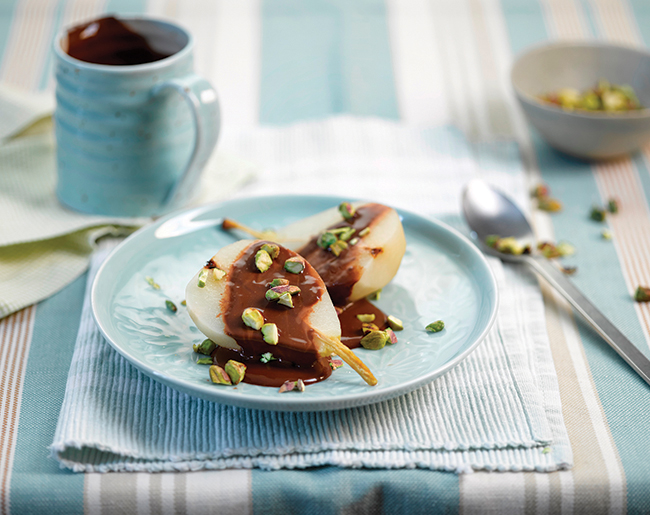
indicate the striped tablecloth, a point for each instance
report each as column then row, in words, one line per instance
column 423, row 62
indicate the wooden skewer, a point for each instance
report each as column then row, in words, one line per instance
column 334, row 346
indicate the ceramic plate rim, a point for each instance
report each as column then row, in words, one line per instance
column 295, row 403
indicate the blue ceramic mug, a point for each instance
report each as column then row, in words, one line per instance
column 134, row 124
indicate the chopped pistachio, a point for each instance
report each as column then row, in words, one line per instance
column 367, row 327
column 509, row 246
column 354, row 241
column 335, row 363
column 642, row 294
column 263, row 260
column 152, row 283
column 218, row 274
column 347, row 210
column 272, row 249
column 436, row 326
column 565, row 249
column 291, row 386
column 171, row 306
column 203, row 276
column 366, row 317
column 205, row 347
column 374, row 295
column 183, row 303
column 364, row 232
column 286, row 300
column 347, row 233
column 338, row 246
column 492, row 240
column 612, row 205
column 546, row 450
column 395, row 323
column 569, row 270
column 326, row 239
column 286, row 288
column 219, row 376
column 549, row 204
column 540, row 191
column 606, row 235
column 236, row 371
column 598, row 214
column 266, row 357
column 392, row 337
column 338, row 310
column 548, row 250
column 204, row 361
column 278, row 282
column 253, row 318
column 374, row 340
column 294, row 265
column 270, row 334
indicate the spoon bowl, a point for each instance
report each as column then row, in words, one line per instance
column 489, row 212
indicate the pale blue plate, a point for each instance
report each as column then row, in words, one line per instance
column 442, row 277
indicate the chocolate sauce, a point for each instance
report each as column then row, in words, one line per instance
column 110, row 41
column 351, row 332
column 297, row 355
column 341, row 273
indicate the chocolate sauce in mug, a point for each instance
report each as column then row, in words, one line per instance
column 109, row 41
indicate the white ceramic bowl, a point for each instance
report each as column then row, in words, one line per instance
column 587, row 135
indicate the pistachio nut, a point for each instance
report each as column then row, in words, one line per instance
column 291, row 386
column 278, row 282
column 366, row 317
column 642, row 294
column 326, row 239
column 266, row 357
column 354, row 241
column 270, row 334
column 347, row 233
column 152, row 283
column 337, row 247
column 205, row 347
column 263, row 260
column 367, row 327
column 183, row 303
column 395, row 323
column 347, row 210
column 171, row 306
column 374, row 340
column 203, row 277
column 335, row 363
column 286, row 300
column 392, row 337
column 364, row 232
column 272, row 249
column 606, row 235
column 219, row 376
column 294, row 265
column 253, row 318
column 204, row 361
column 436, row 326
column 374, row 295
column 612, row 205
column 218, row 274
column 235, row 370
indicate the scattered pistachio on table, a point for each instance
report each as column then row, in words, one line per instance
column 612, row 206
column 597, row 214
column 606, row 234
column 544, row 202
column 642, row 294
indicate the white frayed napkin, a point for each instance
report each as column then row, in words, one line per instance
column 499, row 409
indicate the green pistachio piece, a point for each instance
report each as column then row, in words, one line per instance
column 272, row 249
column 204, row 361
column 294, row 265
column 253, row 318
column 183, row 303
column 205, row 347
column 366, row 317
column 270, row 334
column 354, row 241
column 492, row 239
column 286, row 300
column 642, row 294
column 368, row 327
column 612, row 206
column 171, row 306
column 374, row 295
column 606, row 235
column 326, row 239
column 266, row 357
column 277, row 291
column 218, row 274
column 263, row 260
column 338, row 246
column 219, row 376
column 347, row 233
column 278, row 282
column 374, row 340
column 292, row 386
column 566, row 249
column 152, row 283
column 395, row 323
column 235, row 371
column 597, row 214
column 364, row 232
column 436, row 326
column 203, row 276
column 392, row 337
column 335, row 363
column 509, row 246
column 347, row 210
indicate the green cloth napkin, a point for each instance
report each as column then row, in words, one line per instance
column 43, row 245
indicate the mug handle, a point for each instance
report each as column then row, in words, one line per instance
column 206, row 114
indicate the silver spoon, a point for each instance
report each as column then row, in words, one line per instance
column 489, row 212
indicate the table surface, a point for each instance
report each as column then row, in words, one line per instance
column 425, row 62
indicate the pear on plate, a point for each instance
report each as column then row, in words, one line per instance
column 353, row 264
column 233, row 295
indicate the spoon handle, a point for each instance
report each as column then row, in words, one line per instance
column 617, row 340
